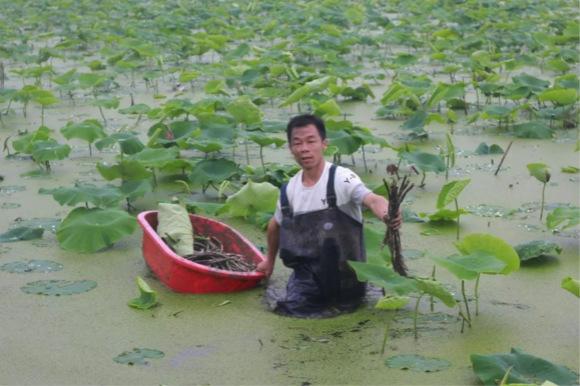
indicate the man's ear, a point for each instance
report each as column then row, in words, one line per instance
column 324, row 143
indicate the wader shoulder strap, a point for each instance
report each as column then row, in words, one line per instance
column 284, row 203
column 330, row 193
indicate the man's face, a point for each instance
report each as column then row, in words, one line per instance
column 307, row 146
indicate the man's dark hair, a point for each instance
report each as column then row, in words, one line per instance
column 305, row 120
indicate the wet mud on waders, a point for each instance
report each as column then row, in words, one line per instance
column 317, row 246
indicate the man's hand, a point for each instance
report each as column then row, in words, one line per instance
column 265, row 266
column 396, row 222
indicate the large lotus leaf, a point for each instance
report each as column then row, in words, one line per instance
column 213, row 170
column 31, row 266
column 571, row 285
column 533, row 83
column 537, row 248
column 245, row 111
column 88, row 130
column 366, row 136
column 155, row 158
column 90, row 230
column 44, row 97
column 215, row 127
column 147, row 296
column 468, row 267
column 425, row 161
column 128, row 142
column 107, row 103
column 536, row 130
column 103, row 196
column 263, row 140
column 137, row 109
column 416, row 122
column 126, row 170
column 207, row 146
column 435, row 288
column 522, row 368
column 25, row 143
column 390, row 302
column 563, row 218
column 560, row 96
column 309, row 88
column 492, row 245
column 328, row 108
column 135, row 188
column 450, row 191
column 416, row 362
column 138, row 356
column 540, row 171
column 344, row 141
column 252, row 198
column 49, row 150
column 90, row 80
column 21, row 234
column 216, row 87
column 58, row 287
column 570, row 169
column 383, row 276
column 496, row 112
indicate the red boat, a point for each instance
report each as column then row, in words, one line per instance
column 182, row 275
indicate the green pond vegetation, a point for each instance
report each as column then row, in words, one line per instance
column 112, row 107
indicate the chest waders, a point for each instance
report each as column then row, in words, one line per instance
column 317, row 246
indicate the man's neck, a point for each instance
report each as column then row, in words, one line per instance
column 311, row 176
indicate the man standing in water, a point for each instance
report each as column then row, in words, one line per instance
column 318, row 227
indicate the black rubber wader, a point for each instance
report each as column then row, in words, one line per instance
column 317, row 246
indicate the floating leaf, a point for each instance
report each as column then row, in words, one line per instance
column 416, row 362
column 102, row 196
column 571, row 285
column 491, row 245
column 59, row 287
column 147, row 296
column 522, row 368
column 138, row 356
column 391, row 302
column 563, row 218
column 570, row 169
column 30, row 266
column 21, row 234
column 537, row 248
column 90, row 230
column 450, row 191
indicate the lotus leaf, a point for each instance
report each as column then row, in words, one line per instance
column 522, row 368
column 90, row 230
column 425, row 161
column 391, row 302
column 483, row 149
column 344, row 141
column 327, row 109
column 58, row 287
column 213, row 170
column 450, row 192
column 104, row 196
column 491, row 245
column 435, row 288
column 540, row 171
column 468, row 267
column 252, row 198
column 125, row 170
column 155, row 158
column 416, row 122
column 49, row 150
column 570, row 169
column 536, row 130
column 309, row 88
column 537, row 248
column 29, row 266
column 138, row 356
column 245, row 111
column 128, row 142
column 383, row 276
column 563, row 218
column 88, row 130
column 21, row 234
column 559, row 96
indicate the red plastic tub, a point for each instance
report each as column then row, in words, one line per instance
column 182, row 275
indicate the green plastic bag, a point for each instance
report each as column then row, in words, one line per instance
column 175, row 228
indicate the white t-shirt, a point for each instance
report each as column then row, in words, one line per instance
column 350, row 192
